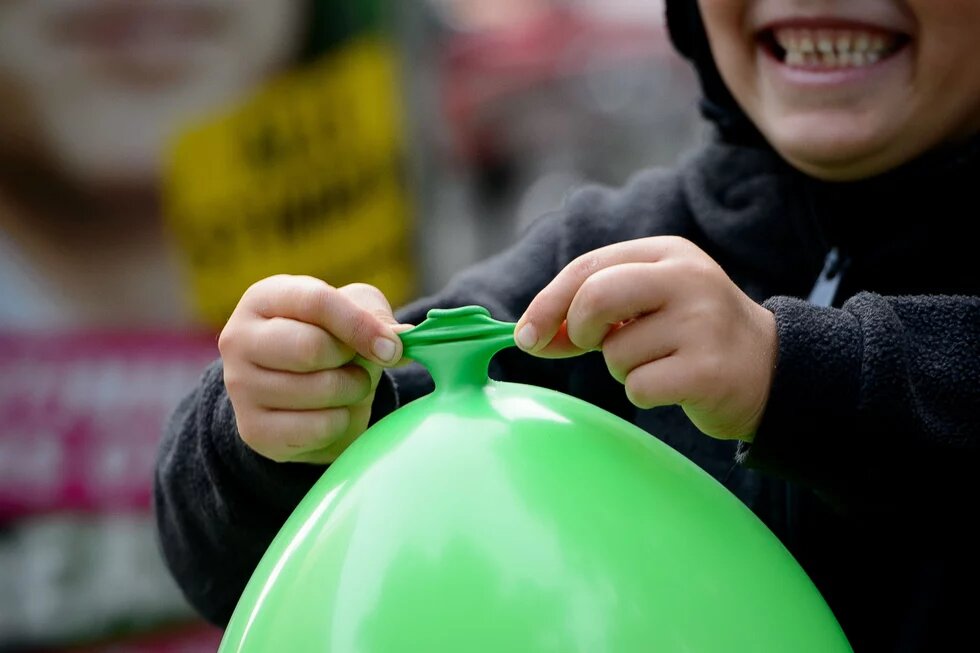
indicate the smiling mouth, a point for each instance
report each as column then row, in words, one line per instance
column 830, row 48
column 115, row 26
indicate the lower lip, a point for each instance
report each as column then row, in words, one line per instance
column 800, row 77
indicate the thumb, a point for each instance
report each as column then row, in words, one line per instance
column 386, row 347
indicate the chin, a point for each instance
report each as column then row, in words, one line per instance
column 94, row 160
column 837, row 157
column 114, row 179
column 846, row 170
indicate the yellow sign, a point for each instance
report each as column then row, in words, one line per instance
column 304, row 178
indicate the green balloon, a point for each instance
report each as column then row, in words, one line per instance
column 502, row 517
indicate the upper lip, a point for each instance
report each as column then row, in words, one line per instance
column 895, row 22
column 114, row 22
column 826, row 23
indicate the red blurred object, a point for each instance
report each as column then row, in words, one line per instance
column 199, row 638
column 481, row 69
column 81, row 416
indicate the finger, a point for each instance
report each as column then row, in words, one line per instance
column 373, row 369
column 611, row 297
column 360, row 415
column 373, row 331
column 549, row 308
column 285, row 435
column 286, row 344
column 560, row 346
column 357, row 315
column 291, row 391
column 297, row 297
column 641, row 341
column 664, row 382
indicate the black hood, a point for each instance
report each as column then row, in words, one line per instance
column 717, row 104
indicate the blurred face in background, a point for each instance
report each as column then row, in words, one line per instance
column 95, row 88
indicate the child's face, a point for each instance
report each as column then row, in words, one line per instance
column 101, row 85
column 845, row 89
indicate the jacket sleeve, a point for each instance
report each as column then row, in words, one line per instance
column 875, row 405
column 219, row 505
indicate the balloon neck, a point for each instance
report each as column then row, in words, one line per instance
column 456, row 346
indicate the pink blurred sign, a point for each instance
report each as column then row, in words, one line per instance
column 200, row 638
column 81, row 415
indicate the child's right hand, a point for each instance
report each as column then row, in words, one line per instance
column 289, row 352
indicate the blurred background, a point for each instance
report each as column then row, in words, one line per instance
column 158, row 157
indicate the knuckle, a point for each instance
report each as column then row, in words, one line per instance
column 359, row 289
column 257, row 287
column 228, row 339
column 678, row 243
column 361, row 326
column 698, row 269
column 369, row 298
column 679, row 248
column 684, row 268
column 299, row 290
column 706, row 269
column 312, row 295
column 592, row 298
column 585, row 265
column 309, row 348
column 256, row 294
column 638, row 392
column 615, row 363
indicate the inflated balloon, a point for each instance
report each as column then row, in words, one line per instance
column 493, row 516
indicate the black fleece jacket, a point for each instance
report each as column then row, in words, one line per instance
column 866, row 462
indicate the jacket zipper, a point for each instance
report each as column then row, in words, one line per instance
column 824, row 293
column 825, row 289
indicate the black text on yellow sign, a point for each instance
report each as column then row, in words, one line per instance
column 304, row 178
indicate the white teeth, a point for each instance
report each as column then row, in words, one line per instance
column 833, row 47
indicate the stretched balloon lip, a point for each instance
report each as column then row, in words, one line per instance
column 463, row 324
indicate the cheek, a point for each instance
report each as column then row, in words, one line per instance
column 20, row 132
column 731, row 45
column 269, row 32
column 949, row 61
column 722, row 21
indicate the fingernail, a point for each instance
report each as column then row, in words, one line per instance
column 384, row 349
column 527, row 337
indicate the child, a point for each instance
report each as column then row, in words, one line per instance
column 802, row 290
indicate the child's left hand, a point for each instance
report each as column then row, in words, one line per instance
column 671, row 325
